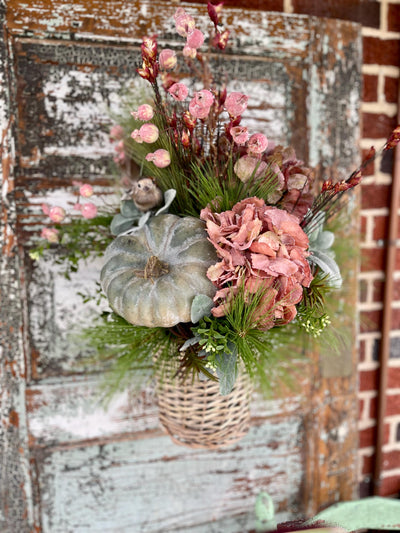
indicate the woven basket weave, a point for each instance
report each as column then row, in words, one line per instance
column 196, row 415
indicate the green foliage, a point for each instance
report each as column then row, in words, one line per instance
column 127, row 349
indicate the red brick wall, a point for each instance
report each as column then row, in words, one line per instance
column 380, row 20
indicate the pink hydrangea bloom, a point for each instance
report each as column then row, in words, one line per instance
column 160, row 158
column 236, row 103
column 57, row 213
column 261, row 248
column 86, row 190
column 144, row 112
column 50, row 234
column 88, row 210
column 195, row 39
column 167, row 59
column 248, row 166
column 178, row 91
column 149, row 133
column 184, row 23
column 240, row 134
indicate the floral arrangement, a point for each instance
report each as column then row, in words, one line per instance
column 220, row 242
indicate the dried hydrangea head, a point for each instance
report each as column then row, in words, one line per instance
column 261, row 248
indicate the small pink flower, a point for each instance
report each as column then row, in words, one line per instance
column 136, row 136
column 46, row 209
column 144, row 112
column 86, row 190
column 195, row 39
column 185, row 24
column 120, row 155
column 204, row 98
column 167, row 59
column 198, row 111
column 189, row 52
column 116, row 132
column 240, row 134
column 50, row 234
column 236, row 103
column 200, row 104
column 160, row 158
column 248, row 166
column 149, row 133
column 88, row 210
column 178, row 91
column 179, row 12
column 57, row 214
column 257, row 144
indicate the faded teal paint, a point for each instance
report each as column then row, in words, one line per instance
column 154, row 486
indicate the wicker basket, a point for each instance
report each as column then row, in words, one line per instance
column 196, row 415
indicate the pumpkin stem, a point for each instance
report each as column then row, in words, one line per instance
column 155, row 268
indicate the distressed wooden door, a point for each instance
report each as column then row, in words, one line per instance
column 69, row 465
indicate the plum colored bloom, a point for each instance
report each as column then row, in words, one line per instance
column 189, row 52
column 57, row 214
column 257, row 144
column 86, row 190
column 160, row 158
column 116, row 132
column 178, row 91
column 236, row 103
column 50, row 234
column 184, row 23
column 149, row 133
column 195, row 39
column 247, row 167
column 261, row 248
column 167, row 59
column 88, row 210
column 220, row 40
column 144, row 112
column 240, row 134
column 149, row 48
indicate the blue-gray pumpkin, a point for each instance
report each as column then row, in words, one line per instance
column 151, row 276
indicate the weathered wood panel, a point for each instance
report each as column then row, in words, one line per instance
column 154, row 486
column 110, row 469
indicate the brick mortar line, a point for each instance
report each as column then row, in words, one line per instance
column 369, row 335
column 391, row 473
column 369, row 306
column 366, row 424
column 377, row 179
column 375, row 211
column 367, row 394
column 380, row 107
column 365, row 366
column 391, row 447
column 383, row 35
column 374, row 69
column 383, row 12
